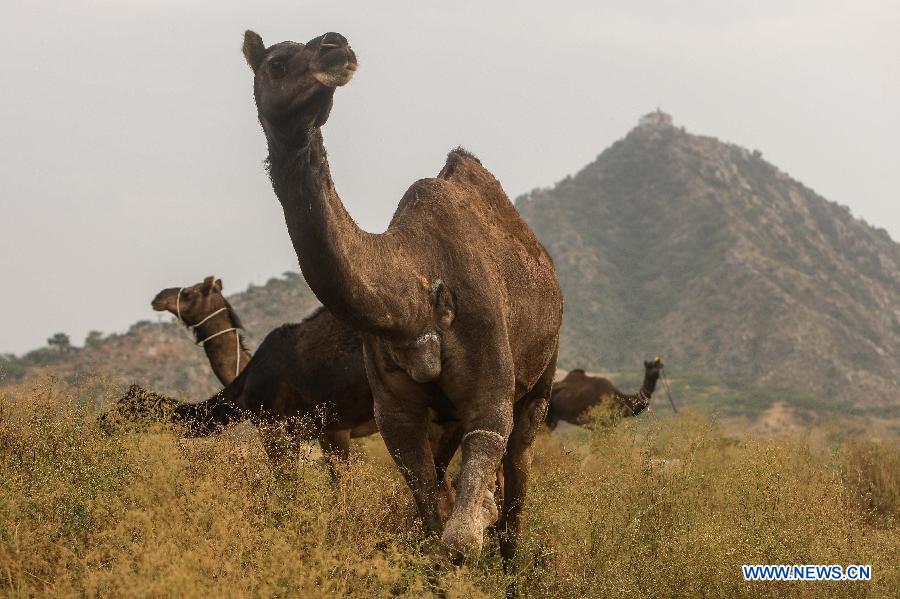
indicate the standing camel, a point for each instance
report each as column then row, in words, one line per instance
column 457, row 301
column 575, row 395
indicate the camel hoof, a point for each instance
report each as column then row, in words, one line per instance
column 463, row 540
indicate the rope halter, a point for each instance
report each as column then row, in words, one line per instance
column 192, row 328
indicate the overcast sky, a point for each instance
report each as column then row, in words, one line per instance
column 132, row 157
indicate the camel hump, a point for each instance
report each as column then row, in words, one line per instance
column 459, row 159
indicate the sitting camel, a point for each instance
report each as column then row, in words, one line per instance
column 215, row 326
column 306, row 380
column 574, row 396
column 311, row 371
column 457, row 302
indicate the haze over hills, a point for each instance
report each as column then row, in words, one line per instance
column 754, row 289
column 702, row 251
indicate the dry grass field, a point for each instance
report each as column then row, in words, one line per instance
column 649, row 508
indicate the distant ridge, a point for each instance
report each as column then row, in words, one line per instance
column 760, row 295
column 702, row 251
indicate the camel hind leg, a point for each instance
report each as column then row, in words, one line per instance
column 335, row 450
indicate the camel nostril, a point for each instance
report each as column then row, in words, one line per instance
column 330, row 41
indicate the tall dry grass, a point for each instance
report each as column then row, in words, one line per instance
column 644, row 509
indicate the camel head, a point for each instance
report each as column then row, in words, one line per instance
column 192, row 304
column 652, row 369
column 138, row 405
column 294, row 83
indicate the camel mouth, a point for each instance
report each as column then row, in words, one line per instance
column 336, row 77
column 335, row 62
column 159, row 304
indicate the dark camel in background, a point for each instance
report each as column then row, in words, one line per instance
column 574, row 396
column 307, row 380
column 457, row 301
column 310, row 373
column 207, row 314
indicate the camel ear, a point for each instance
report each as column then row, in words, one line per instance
column 444, row 306
column 207, row 285
column 254, row 49
column 217, row 285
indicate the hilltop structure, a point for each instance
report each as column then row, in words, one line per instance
column 657, row 118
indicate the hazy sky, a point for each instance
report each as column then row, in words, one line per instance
column 132, row 157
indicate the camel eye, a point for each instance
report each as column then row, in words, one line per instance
column 277, row 68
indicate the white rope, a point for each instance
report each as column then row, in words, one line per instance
column 219, row 311
column 237, row 353
column 214, row 335
column 494, row 434
column 192, row 328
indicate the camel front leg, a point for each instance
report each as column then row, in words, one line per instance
column 483, row 446
column 404, row 425
column 405, row 433
column 529, row 416
column 444, row 441
column 404, row 421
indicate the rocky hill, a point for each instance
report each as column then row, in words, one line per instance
column 759, row 294
column 701, row 251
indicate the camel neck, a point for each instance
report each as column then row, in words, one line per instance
column 347, row 268
column 225, row 352
column 632, row 405
column 649, row 384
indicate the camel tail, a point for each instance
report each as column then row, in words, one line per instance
column 215, row 414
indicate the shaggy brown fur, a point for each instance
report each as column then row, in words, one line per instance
column 574, row 396
column 458, row 302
